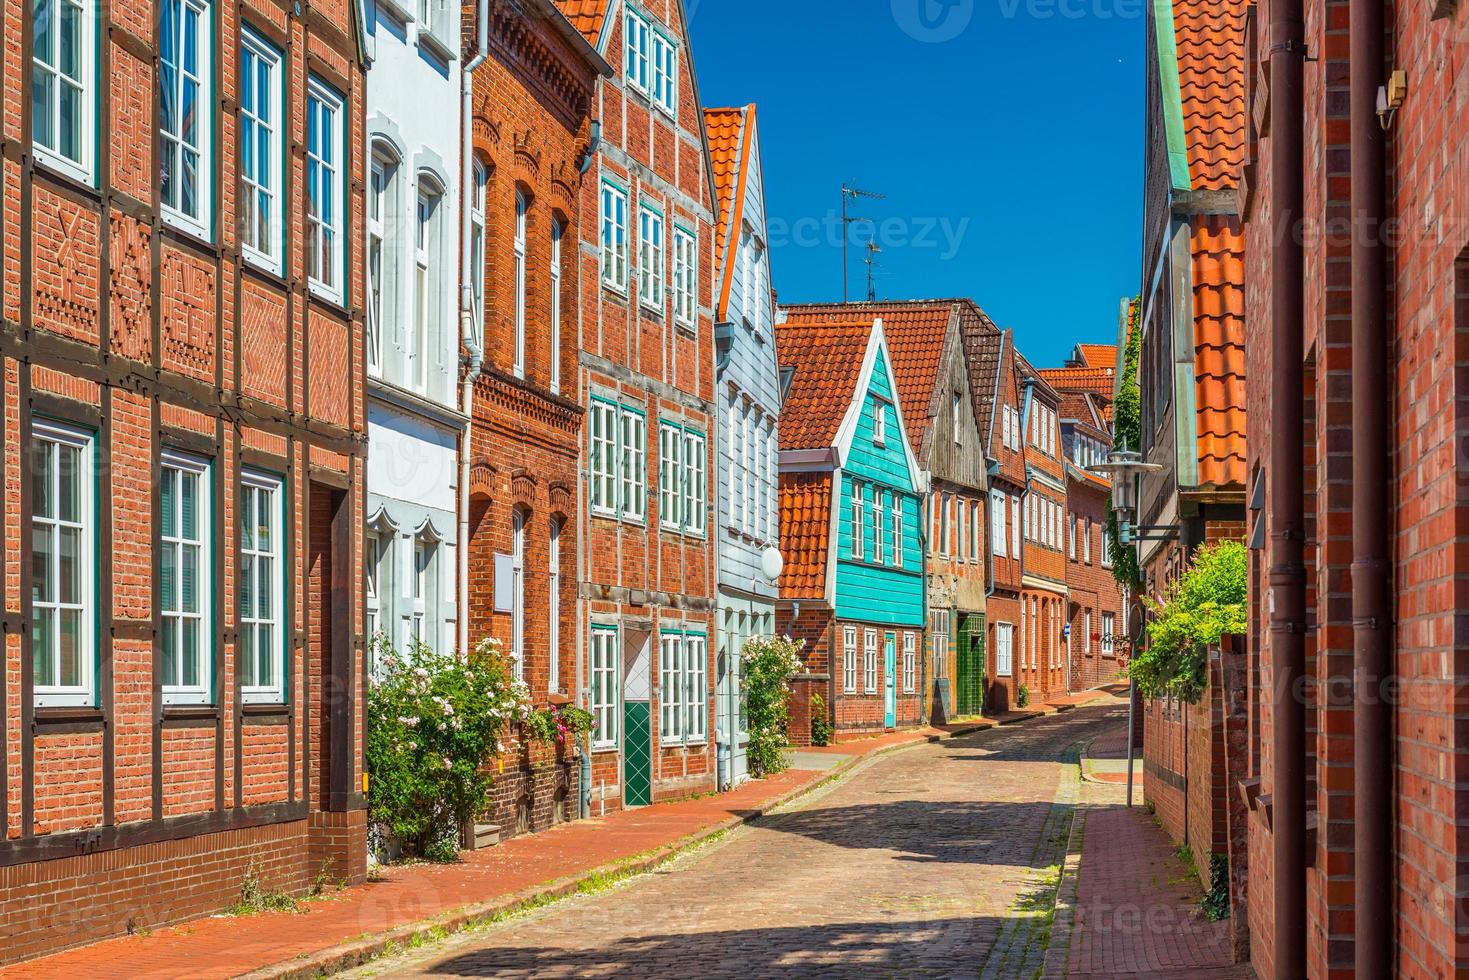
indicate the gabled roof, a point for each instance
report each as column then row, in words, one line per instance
column 916, row 332
column 1096, row 380
column 1208, row 42
column 1096, row 356
column 983, row 345
column 729, row 136
column 586, row 16
column 1028, row 370
column 805, row 533
column 827, row 360
column 1219, row 349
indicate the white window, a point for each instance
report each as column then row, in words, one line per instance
column 683, row 694
column 418, row 612
column 604, row 685
column 63, row 90
column 859, row 534
column 425, row 282
column 745, row 468
column 638, row 58
column 1108, row 638
column 325, row 121
column 670, row 476
column 976, row 529
column 998, row 507
column 520, row 234
column 849, row 659
column 685, row 277
column 879, row 526
column 186, row 116
column 1015, row 527
column 558, row 231
column 1004, row 644
column 910, row 661
column 381, row 269
column 879, row 423
column 261, row 150
column 651, row 258
column 897, row 517
column 1106, row 546
column 665, row 74
column 517, row 592
column 184, row 586
column 64, row 569
column 553, row 603
column 1086, row 542
column 1087, row 630
column 869, row 662
column 960, row 510
column 633, row 456
column 614, row 237
column 695, row 687
column 939, row 623
column 762, row 484
column 477, row 197
column 956, row 402
column 944, row 500
column 1071, row 531
column 603, row 432
column 262, row 586
column 370, row 574
column 670, row 695
column 1035, row 633
column 695, row 483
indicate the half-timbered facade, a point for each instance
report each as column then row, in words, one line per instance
column 183, row 442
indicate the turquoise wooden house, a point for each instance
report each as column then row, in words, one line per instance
column 851, row 528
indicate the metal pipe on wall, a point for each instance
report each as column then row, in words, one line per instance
column 1287, row 502
column 1371, row 601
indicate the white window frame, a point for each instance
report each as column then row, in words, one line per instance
column 419, row 579
column 604, row 685
column 695, row 483
column 632, row 456
column 518, row 519
column 1071, row 536
column 664, row 73
column 945, row 512
column 380, row 184
column 956, row 403
column 614, row 237
column 940, row 622
column 326, row 276
column 1086, row 646
column 602, row 432
column 83, row 167
column 274, row 620
column 762, row 482
column 1004, row 649
column 84, row 693
column 1015, row 527
column 879, row 422
column 670, row 700
column 879, row 526
column 976, row 529
column 683, row 691
column 1086, row 542
column 522, row 216
column 849, row 660
column 685, row 277
column 859, row 518
column 427, row 209
column 910, row 661
column 896, row 545
column 173, row 618
column 1109, row 634
column 558, row 232
column 744, row 447
column 960, row 531
column 637, row 51
column 172, row 146
column 652, row 258
column 619, row 461
column 670, row 476
column 999, row 506
column 869, row 661
column 478, row 245
column 267, row 182
column 1106, row 546
column 553, row 605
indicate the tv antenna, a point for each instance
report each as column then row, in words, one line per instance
column 873, row 249
column 850, row 193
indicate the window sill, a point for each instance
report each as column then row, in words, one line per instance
column 331, row 299
column 67, row 720
column 194, row 230
column 618, row 292
column 66, row 172
column 263, row 266
column 190, row 715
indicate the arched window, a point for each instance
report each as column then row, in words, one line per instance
column 427, row 270
column 558, row 231
column 522, row 206
column 553, row 593
column 477, row 247
column 382, row 266
column 517, row 592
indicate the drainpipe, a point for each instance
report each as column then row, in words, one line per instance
column 1371, row 611
column 1287, row 601
column 474, row 354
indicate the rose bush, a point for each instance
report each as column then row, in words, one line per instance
column 769, row 663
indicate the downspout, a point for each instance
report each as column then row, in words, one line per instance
column 474, row 353
column 1371, row 610
column 1287, row 602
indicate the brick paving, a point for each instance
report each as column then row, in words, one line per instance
column 1136, row 908
column 915, row 865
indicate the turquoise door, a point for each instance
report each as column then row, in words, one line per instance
column 889, row 685
column 637, row 724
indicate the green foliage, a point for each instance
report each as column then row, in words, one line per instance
column 1127, row 432
column 769, row 663
column 1204, row 604
column 821, row 727
column 564, row 726
column 1216, row 899
column 1022, row 697
column 254, row 898
column 432, row 722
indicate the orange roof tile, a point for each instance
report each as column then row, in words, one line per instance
column 805, row 532
column 586, row 16
column 1098, row 381
column 729, row 154
column 826, row 358
column 1219, row 349
column 1098, row 355
column 1211, row 80
column 915, row 333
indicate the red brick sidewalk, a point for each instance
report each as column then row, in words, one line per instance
column 358, row 921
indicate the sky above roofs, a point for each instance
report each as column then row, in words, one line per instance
column 1007, row 136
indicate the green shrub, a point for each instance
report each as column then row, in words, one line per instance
column 1127, row 434
column 1216, row 899
column 1022, row 696
column 564, row 726
column 1201, row 606
column 433, row 721
column 821, row 728
column 769, row 663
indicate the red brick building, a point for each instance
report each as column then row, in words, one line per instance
column 183, row 443
column 1388, row 882
column 1043, row 567
column 531, row 129
column 646, row 379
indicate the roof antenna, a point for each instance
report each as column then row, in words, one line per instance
column 872, row 252
column 850, row 193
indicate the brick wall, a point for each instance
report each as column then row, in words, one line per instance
column 1092, row 591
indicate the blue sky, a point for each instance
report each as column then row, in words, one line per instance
column 1006, row 134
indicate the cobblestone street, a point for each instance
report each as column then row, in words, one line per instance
column 935, row 861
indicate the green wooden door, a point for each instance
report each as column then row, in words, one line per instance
column 970, row 699
column 637, row 754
